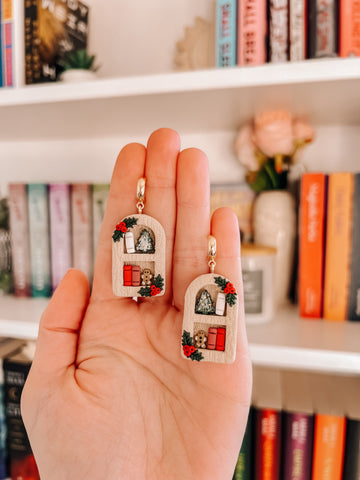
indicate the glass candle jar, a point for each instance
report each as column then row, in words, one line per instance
column 258, row 263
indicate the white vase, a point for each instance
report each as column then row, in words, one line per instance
column 77, row 75
column 275, row 226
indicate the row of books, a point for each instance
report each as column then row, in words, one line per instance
column 36, row 36
column 297, row 446
column 252, row 32
column 329, row 246
column 53, row 228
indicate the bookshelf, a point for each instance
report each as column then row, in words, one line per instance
column 74, row 132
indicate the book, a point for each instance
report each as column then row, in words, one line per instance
column 19, row 227
column 353, row 298
column 7, row 42
column 251, row 32
column 20, row 457
column 100, row 193
column 81, row 216
column 278, row 37
column 349, row 35
column 298, row 443
column 1, row 69
column 18, row 43
column 32, row 56
column 338, row 245
column 351, row 469
column 60, row 231
column 329, row 442
column 7, row 346
column 267, row 444
column 323, row 28
column 39, row 235
column 297, row 30
column 312, row 244
column 226, row 33
column 244, row 465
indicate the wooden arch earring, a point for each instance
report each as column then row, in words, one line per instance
column 138, row 253
column 210, row 316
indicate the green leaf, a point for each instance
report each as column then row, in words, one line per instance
column 144, row 292
column 186, row 338
column 159, row 282
column 221, row 282
column 117, row 235
column 196, row 356
column 231, row 298
column 130, row 222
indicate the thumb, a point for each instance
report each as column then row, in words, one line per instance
column 60, row 325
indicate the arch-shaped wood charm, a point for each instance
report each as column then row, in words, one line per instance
column 138, row 266
column 211, row 335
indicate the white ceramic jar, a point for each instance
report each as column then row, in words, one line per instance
column 258, row 264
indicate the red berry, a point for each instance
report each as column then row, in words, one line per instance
column 186, row 349
column 118, row 227
column 192, row 349
column 158, row 290
column 226, row 290
column 152, row 293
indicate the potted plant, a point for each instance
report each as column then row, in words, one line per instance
column 78, row 66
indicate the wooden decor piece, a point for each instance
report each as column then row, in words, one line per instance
column 210, row 318
column 138, row 255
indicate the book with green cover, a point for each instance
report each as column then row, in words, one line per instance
column 243, row 469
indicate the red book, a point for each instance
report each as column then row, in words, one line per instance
column 311, row 244
column 267, row 444
column 220, row 339
column 251, row 32
column 349, row 41
column 127, row 275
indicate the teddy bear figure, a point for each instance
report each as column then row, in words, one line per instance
column 200, row 339
column 146, row 276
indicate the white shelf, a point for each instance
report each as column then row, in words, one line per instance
column 286, row 342
column 326, row 90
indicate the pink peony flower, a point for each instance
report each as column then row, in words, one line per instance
column 245, row 148
column 303, row 131
column 273, row 133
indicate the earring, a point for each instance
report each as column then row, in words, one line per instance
column 210, row 316
column 138, row 253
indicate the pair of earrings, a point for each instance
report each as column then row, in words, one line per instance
column 138, row 270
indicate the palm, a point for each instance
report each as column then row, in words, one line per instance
column 128, row 395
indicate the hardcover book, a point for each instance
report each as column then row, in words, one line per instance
column 298, row 443
column 100, row 193
column 352, row 451
column 60, row 231
column 252, row 32
column 312, row 243
column 278, row 15
column 267, row 444
column 297, row 30
column 226, row 33
column 244, row 465
column 82, row 228
column 39, row 234
column 349, row 41
column 323, row 28
column 353, row 305
column 21, row 459
column 338, row 245
column 19, row 226
column 329, row 442
column 6, row 32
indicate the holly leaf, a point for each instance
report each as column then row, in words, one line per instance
column 186, row 339
column 117, row 235
column 130, row 222
column 221, row 282
column 144, row 292
column 196, row 356
column 231, row 298
column 159, row 282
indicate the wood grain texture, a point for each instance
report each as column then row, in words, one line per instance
column 154, row 261
column 192, row 322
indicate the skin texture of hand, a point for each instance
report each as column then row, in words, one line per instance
column 109, row 395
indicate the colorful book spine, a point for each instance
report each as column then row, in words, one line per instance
column 226, row 33
column 338, row 245
column 351, row 469
column 19, row 43
column 1, row 53
column 82, row 228
column 323, row 28
column 100, row 195
column 19, row 226
column 349, row 41
column 278, row 15
column 7, row 42
column 252, row 32
column 60, row 231
column 21, row 459
column 244, row 465
column 267, row 444
column 312, row 243
column 329, row 442
column 298, row 443
column 39, row 235
column 28, row 36
column 297, row 30
column 353, row 305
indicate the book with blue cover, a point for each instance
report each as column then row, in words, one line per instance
column 226, row 33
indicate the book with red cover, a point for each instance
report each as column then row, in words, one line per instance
column 329, row 443
column 298, row 442
column 251, row 32
column 267, row 444
column 349, row 35
column 312, row 243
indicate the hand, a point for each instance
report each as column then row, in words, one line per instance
column 109, row 395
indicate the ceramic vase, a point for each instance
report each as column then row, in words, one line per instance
column 77, row 75
column 275, row 226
